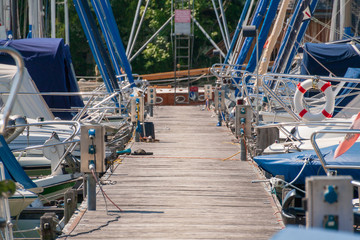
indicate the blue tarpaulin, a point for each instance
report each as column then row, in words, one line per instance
column 48, row 62
column 290, row 164
column 335, row 57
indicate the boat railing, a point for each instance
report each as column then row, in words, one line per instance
column 75, row 126
column 279, row 94
column 282, row 127
column 327, row 167
column 18, row 78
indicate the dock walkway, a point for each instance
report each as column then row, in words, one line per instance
column 184, row 190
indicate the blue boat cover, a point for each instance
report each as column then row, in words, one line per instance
column 48, row 62
column 335, row 57
column 13, row 170
column 301, row 233
column 290, row 164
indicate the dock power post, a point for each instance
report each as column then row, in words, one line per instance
column 208, row 94
column 329, row 202
column 219, row 101
column 243, row 119
column 151, row 99
column 92, row 158
column 137, row 115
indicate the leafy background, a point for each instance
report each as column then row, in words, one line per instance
column 158, row 56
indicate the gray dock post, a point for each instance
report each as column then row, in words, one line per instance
column 48, row 226
column 242, row 150
column 151, row 110
column 91, row 192
column 137, row 136
column 70, row 201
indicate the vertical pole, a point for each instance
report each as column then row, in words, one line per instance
column 91, row 192
column 31, row 20
column 66, row 14
column 7, row 15
column 14, row 23
column 342, row 17
column 40, row 23
column 175, row 67
column 226, row 30
column 137, row 30
column 220, row 25
column 133, row 29
column 53, row 18
column 1, row 12
column 242, row 149
column 257, row 77
column 151, row 110
column 333, row 21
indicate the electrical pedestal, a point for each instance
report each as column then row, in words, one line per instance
column 219, row 101
column 329, row 202
column 92, row 158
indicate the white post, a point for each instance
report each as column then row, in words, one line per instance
column 1, row 13
column 53, row 18
column 7, row 21
column 342, row 17
column 67, row 32
column 31, row 20
column 333, row 21
column 40, row 18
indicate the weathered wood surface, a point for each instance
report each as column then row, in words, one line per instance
column 184, row 190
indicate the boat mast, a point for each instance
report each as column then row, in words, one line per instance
column 332, row 36
column 66, row 15
column 345, row 18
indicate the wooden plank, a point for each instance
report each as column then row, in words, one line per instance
column 184, row 190
column 170, row 75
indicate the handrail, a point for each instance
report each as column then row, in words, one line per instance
column 18, row 77
column 72, row 123
column 325, row 166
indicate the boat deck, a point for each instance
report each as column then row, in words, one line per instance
column 184, row 190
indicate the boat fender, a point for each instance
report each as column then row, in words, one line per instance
column 325, row 87
column 159, row 100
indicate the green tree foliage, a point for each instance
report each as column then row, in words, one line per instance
column 157, row 57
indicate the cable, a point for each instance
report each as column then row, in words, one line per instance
column 104, row 193
column 230, row 156
column 302, row 169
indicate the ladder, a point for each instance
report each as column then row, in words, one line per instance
column 182, row 46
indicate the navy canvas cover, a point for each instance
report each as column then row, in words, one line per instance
column 335, row 57
column 290, row 164
column 48, row 62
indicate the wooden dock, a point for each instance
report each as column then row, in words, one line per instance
column 184, row 190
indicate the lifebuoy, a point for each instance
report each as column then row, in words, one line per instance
column 328, row 109
column 180, row 99
column 159, row 100
column 201, row 98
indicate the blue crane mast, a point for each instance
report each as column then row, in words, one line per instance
column 112, row 68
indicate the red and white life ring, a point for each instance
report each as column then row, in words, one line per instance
column 328, row 109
